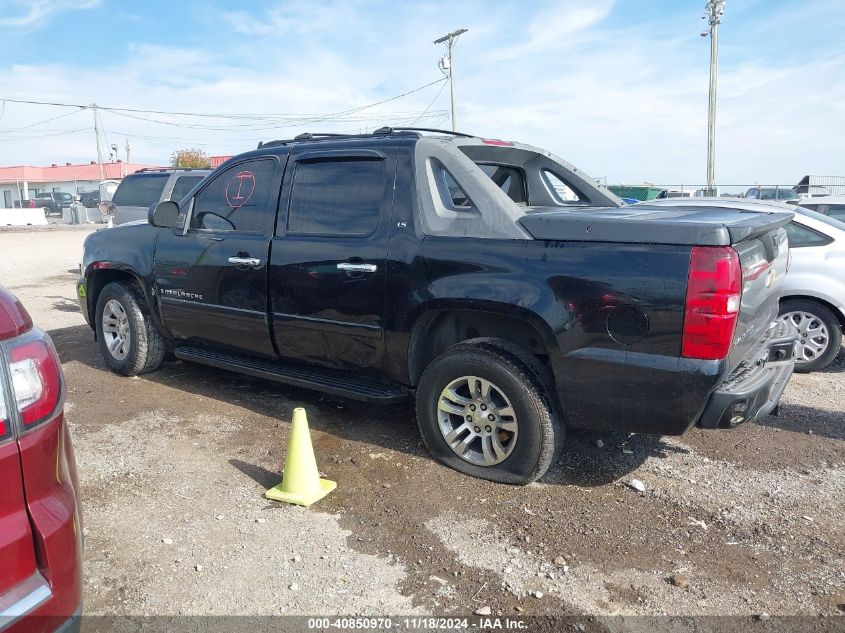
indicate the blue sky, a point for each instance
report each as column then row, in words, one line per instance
column 617, row 88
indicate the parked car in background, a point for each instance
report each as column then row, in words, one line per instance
column 53, row 201
column 771, row 193
column 833, row 206
column 40, row 518
column 104, row 192
column 138, row 191
column 377, row 266
column 814, row 290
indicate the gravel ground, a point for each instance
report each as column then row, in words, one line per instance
column 173, row 466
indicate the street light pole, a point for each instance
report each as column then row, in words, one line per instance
column 446, row 64
column 714, row 9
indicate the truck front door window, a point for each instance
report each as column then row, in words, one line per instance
column 237, row 200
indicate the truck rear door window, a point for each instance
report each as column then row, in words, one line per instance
column 140, row 190
column 336, row 197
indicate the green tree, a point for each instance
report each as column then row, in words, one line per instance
column 190, row 157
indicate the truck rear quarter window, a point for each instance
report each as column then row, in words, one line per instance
column 140, row 190
column 336, row 197
column 558, row 189
column 509, row 179
column 238, row 199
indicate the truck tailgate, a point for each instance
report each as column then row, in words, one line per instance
column 764, row 260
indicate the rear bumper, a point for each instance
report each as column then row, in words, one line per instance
column 754, row 388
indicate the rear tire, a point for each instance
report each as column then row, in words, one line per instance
column 819, row 332
column 517, row 435
column 129, row 341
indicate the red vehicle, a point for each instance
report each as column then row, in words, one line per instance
column 40, row 518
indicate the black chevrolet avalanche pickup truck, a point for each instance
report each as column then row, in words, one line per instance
column 492, row 281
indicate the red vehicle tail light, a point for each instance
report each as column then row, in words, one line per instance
column 14, row 319
column 36, row 381
column 714, row 290
column 5, row 426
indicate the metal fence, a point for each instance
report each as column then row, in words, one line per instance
column 808, row 186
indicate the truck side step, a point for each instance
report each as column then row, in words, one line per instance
column 333, row 381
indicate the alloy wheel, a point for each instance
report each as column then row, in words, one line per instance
column 813, row 337
column 115, row 328
column 477, row 421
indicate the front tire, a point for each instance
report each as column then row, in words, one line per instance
column 129, row 341
column 819, row 333
column 485, row 408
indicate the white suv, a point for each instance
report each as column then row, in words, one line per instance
column 138, row 191
column 833, row 206
column 814, row 288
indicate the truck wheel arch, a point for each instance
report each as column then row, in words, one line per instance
column 98, row 279
column 438, row 329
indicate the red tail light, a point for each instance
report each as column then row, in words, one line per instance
column 712, row 303
column 36, row 380
column 5, row 426
column 14, row 319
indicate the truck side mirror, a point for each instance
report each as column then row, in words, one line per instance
column 164, row 214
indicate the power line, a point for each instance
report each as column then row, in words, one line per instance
column 226, row 115
column 24, row 127
column 442, row 85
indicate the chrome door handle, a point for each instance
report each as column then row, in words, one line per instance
column 357, row 268
column 245, row 261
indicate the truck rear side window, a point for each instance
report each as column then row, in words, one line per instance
column 140, row 190
column 336, row 197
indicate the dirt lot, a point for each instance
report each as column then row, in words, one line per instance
column 173, row 466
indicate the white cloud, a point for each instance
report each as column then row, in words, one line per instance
column 36, row 13
column 628, row 102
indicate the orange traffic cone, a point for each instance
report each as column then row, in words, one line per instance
column 301, row 483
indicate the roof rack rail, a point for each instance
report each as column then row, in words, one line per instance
column 382, row 131
column 388, row 130
column 168, row 169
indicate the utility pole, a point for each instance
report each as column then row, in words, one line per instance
column 447, row 65
column 714, row 9
column 97, row 139
column 128, row 149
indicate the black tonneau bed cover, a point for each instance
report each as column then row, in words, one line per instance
column 696, row 226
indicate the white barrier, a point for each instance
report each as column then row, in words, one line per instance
column 22, row 217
